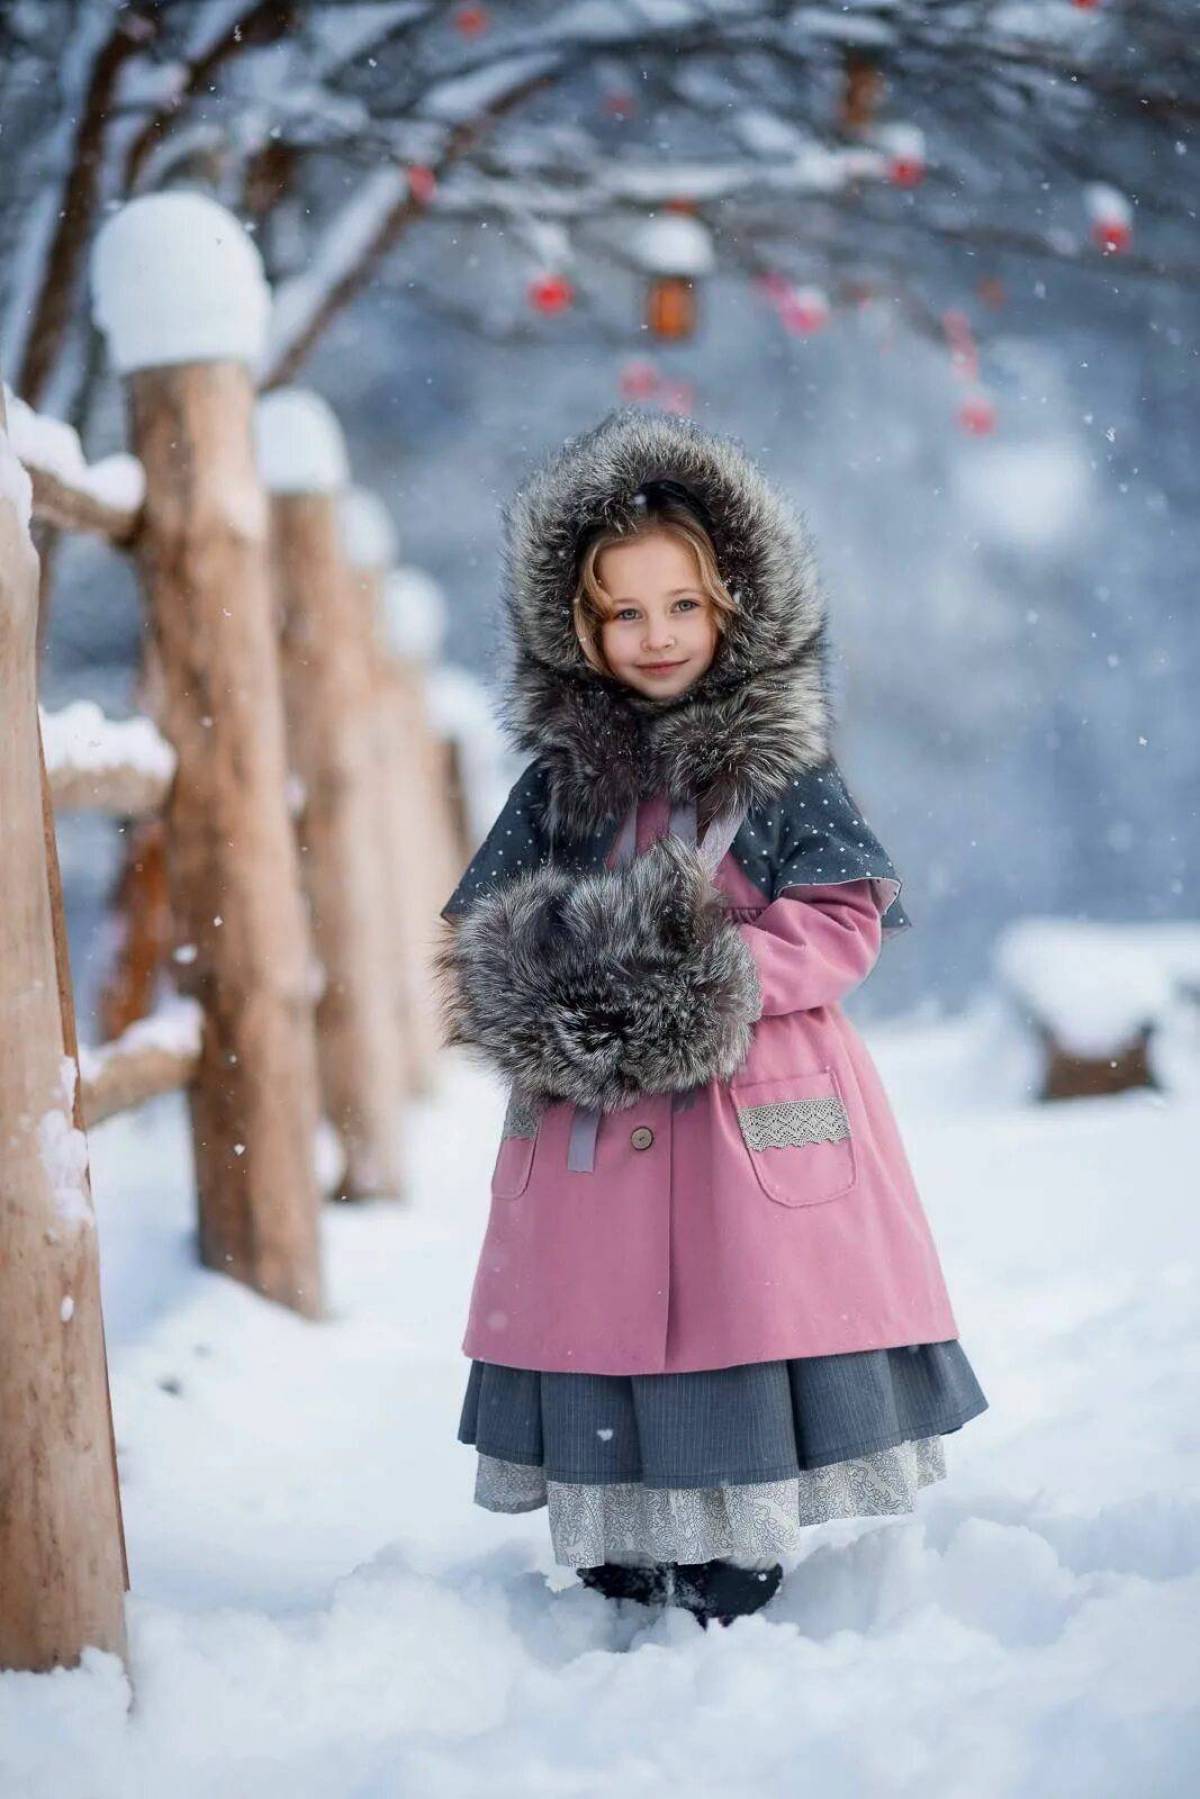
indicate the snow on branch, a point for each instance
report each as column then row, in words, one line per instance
column 105, row 765
column 352, row 242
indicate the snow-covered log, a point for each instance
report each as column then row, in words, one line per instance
column 122, row 766
column 62, row 1575
column 156, row 1055
column 180, row 294
column 1096, row 995
column 343, row 827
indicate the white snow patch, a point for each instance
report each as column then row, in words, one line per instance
column 329, row 1155
column 175, row 278
column 299, row 443
column 1097, row 985
column 458, row 702
column 1107, row 204
column 64, row 1153
column 414, row 614
column 66, row 1310
column 319, row 1608
column 80, row 739
column 176, row 1028
column 368, row 535
column 674, row 245
column 52, row 447
column 1034, row 494
column 15, row 485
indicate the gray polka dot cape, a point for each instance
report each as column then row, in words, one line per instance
column 812, row 834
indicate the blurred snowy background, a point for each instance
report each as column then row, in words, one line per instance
column 945, row 287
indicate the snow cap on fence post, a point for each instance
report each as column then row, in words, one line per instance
column 299, row 443
column 414, row 614
column 368, row 534
column 176, row 278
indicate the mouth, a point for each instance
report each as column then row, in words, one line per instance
column 660, row 668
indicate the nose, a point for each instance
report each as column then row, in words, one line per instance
column 659, row 635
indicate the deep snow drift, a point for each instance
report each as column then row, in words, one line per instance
column 319, row 1610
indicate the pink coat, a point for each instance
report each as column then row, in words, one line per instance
column 696, row 1241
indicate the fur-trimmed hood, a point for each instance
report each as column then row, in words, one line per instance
column 758, row 714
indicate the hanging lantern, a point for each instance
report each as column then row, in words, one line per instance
column 903, row 147
column 639, row 380
column 550, row 294
column 803, row 310
column 862, row 90
column 671, row 306
column 676, row 251
column 422, row 183
column 1111, row 216
column 977, row 414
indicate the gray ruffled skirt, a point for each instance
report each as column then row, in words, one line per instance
column 728, row 1463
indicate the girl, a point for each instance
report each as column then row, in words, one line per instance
column 708, row 1309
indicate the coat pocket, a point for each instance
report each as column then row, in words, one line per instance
column 797, row 1133
column 518, row 1140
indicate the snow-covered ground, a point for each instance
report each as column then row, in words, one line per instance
column 319, row 1610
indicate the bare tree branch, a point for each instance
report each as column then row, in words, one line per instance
column 58, row 293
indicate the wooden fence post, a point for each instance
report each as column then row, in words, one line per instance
column 343, row 827
column 180, row 295
column 411, row 837
column 62, row 1573
column 412, row 624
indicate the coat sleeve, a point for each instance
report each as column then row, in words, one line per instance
column 814, row 944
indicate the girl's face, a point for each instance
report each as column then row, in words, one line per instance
column 662, row 633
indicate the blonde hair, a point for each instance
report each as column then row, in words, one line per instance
column 591, row 607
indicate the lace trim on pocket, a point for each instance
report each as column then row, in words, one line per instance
column 784, row 1123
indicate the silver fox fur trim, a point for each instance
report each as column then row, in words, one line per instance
column 761, row 711
column 601, row 987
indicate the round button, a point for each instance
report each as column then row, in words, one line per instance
column 642, row 1138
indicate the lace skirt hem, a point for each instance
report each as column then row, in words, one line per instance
column 757, row 1522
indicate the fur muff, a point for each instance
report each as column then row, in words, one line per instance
column 757, row 716
column 601, row 988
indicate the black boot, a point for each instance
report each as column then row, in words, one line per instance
column 620, row 1580
column 724, row 1591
